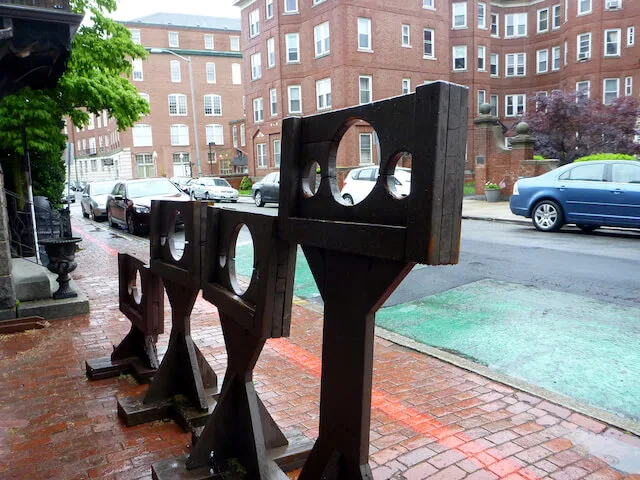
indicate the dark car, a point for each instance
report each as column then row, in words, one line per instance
column 267, row 190
column 94, row 199
column 129, row 204
column 588, row 194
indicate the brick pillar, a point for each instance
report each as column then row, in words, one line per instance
column 483, row 139
column 7, row 290
column 521, row 151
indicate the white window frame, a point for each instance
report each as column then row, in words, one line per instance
column 495, row 106
column 92, row 123
column 364, row 32
column 254, row 23
column 142, row 135
column 494, row 60
column 579, row 55
column 323, row 94
column 322, row 39
column 292, row 42
column 628, row 86
column 582, row 10
column 290, row 89
column 631, row 36
column 482, row 58
column 258, row 110
column 587, row 90
column 261, row 155
column 210, row 69
column 431, row 43
column 429, row 4
column 268, row 9
column 209, row 42
column 288, row 10
column 462, row 6
column 555, row 57
column 406, row 36
column 213, row 99
column 277, row 151
column 542, row 29
column 137, row 74
column 618, row 43
column 256, row 66
column 179, row 135
column 406, row 86
column 515, row 103
column 234, row 43
column 370, row 137
column 368, row 91
column 542, row 64
column 482, row 98
column 176, row 71
column 181, row 105
column 566, row 52
column 495, row 32
column 234, row 136
column 516, row 57
column 482, row 15
column 135, row 36
column 273, row 102
column 605, row 91
column 243, row 137
column 174, row 39
column 516, row 18
column 460, row 48
column 214, row 133
column 236, row 74
column 271, row 52
column 555, row 9
column 613, row 4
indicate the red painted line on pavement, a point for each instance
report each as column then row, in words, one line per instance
column 388, row 404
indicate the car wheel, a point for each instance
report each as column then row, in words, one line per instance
column 92, row 214
column 258, row 199
column 110, row 219
column 131, row 227
column 206, row 195
column 84, row 214
column 547, row 216
column 192, row 195
column 348, row 199
column 588, row 228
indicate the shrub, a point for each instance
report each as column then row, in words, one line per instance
column 538, row 157
column 606, row 156
column 491, row 186
column 245, row 184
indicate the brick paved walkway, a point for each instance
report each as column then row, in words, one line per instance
column 429, row 419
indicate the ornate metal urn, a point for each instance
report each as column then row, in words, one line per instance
column 62, row 254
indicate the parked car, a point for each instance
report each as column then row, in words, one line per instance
column 213, row 188
column 360, row 181
column 94, row 199
column 266, row 190
column 588, row 194
column 68, row 194
column 129, row 204
column 182, row 183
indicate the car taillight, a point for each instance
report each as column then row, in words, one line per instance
column 344, row 184
column 515, row 188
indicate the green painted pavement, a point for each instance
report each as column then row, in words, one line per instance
column 573, row 345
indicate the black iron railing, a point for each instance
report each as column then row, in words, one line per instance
column 54, row 4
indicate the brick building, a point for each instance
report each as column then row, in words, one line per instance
column 166, row 142
column 303, row 57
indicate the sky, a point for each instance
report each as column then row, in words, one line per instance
column 130, row 9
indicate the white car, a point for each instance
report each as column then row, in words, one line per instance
column 360, row 181
column 212, row 188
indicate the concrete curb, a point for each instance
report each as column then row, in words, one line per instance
column 496, row 220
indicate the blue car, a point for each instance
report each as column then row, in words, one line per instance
column 588, row 194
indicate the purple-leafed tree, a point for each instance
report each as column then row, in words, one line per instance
column 569, row 125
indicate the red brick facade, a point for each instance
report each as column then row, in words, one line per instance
column 387, row 62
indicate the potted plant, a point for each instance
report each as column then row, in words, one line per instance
column 492, row 191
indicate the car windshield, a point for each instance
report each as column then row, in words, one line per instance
column 151, row 187
column 102, row 188
column 221, row 182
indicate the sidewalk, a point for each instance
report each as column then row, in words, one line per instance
column 429, row 418
column 496, row 211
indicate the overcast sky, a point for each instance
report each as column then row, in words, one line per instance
column 130, row 9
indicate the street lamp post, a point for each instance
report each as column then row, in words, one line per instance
column 193, row 100
column 211, row 157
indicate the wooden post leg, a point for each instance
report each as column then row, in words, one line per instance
column 240, row 425
column 183, row 370
column 137, row 344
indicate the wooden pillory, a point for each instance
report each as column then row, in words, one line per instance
column 141, row 299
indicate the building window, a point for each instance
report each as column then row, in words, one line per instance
column 176, row 76
column 495, row 25
column 515, row 25
column 583, row 89
column 290, row 6
column 269, row 9
column 211, row 72
column 179, row 135
column 271, row 52
column 459, row 14
column 92, row 124
column 364, row 34
column 137, row 70
column 235, row 44
column 107, row 143
column 406, row 36
column 406, row 86
column 566, row 52
column 584, row 7
column 273, row 97
column 482, row 15
column 366, row 95
column 543, row 20
column 215, row 134
column 495, row 64
column 628, row 86
column 234, row 135
column 177, row 104
column 566, row 11
column 543, row 61
column 428, row 4
column 174, row 40
column 276, row 153
column 145, row 166
column 212, row 105
column 555, row 53
column 540, row 95
column 516, row 64
column 613, row 4
column 482, row 98
column 181, row 164
column 428, row 50
column 295, row 98
column 322, row 39
column 135, row 37
column 555, row 12
column 482, row 58
column 256, row 66
column 459, row 58
column 261, row 155
column 293, row 47
column 611, row 90
column 515, row 105
column 208, row 42
column 254, row 23
column 493, row 101
column 236, row 73
column 323, row 94
column 631, row 36
column 142, row 136
column 584, row 46
column 365, row 148
column 92, row 146
column 612, row 42
column 243, row 139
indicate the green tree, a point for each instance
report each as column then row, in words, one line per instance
column 96, row 79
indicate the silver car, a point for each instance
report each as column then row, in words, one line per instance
column 94, row 199
column 213, row 188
